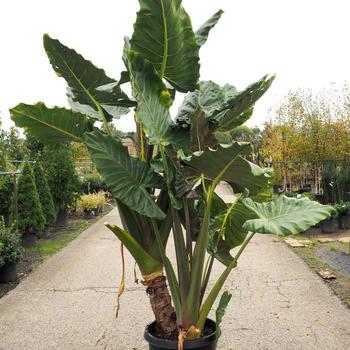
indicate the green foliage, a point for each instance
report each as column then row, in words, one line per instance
column 127, row 178
column 93, row 184
column 61, row 175
column 163, row 35
column 45, row 196
column 33, row 146
column 6, row 192
column 10, row 248
column 51, row 125
column 158, row 186
column 90, row 90
column 285, row 215
column 342, row 209
column 336, row 182
column 31, row 218
column 202, row 32
column 309, row 195
column 92, row 201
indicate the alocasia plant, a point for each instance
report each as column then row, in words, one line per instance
column 171, row 183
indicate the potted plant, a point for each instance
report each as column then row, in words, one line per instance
column 330, row 225
column 10, row 252
column 346, row 215
column 92, row 203
column 171, row 183
column 31, row 218
column 342, row 211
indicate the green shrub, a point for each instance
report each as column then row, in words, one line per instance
column 31, row 218
column 93, row 184
column 92, row 201
column 6, row 192
column 10, row 249
column 336, row 183
column 2, row 261
column 45, row 196
column 61, row 175
column 309, row 195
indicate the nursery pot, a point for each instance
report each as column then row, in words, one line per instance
column 208, row 342
column 90, row 213
column 329, row 225
column 346, row 221
column 28, row 240
column 8, row 273
column 62, row 217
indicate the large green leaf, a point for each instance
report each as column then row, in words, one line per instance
column 128, row 178
column 88, row 85
column 236, row 170
column 163, row 35
column 241, row 105
column 201, row 136
column 51, row 125
column 285, row 215
column 152, row 97
column 212, row 98
column 203, row 31
column 225, row 107
column 226, row 227
column 146, row 262
column 113, row 111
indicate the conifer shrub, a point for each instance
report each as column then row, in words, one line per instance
column 6, row 193
column 44, row 192
column 31, row 218
column 61, row 175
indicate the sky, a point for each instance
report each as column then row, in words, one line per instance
column 304, row 42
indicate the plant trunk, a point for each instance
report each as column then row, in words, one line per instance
column 160, row 299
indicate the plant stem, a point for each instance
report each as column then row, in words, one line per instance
column 188, row 231
column 207, row 276
column 207, row 305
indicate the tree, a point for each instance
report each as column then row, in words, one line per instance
column 44, row 194
column 303, row 131
column 31, row 218
column 62, row 178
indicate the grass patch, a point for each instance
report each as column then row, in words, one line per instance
column 49, row 247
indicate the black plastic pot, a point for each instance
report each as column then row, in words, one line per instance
column 346, row 221
column 329, row 226
column 207, row 342
column 90, row 213
column 8, row 273
column 28, row 240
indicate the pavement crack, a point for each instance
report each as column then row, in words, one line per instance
column 104, row 290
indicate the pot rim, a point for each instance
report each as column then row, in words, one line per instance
column 188, row 344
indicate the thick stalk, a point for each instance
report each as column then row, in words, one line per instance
column 160, row 300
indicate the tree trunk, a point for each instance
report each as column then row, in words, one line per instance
column 160, row 299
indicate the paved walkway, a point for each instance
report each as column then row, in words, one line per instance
column 68, row 302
